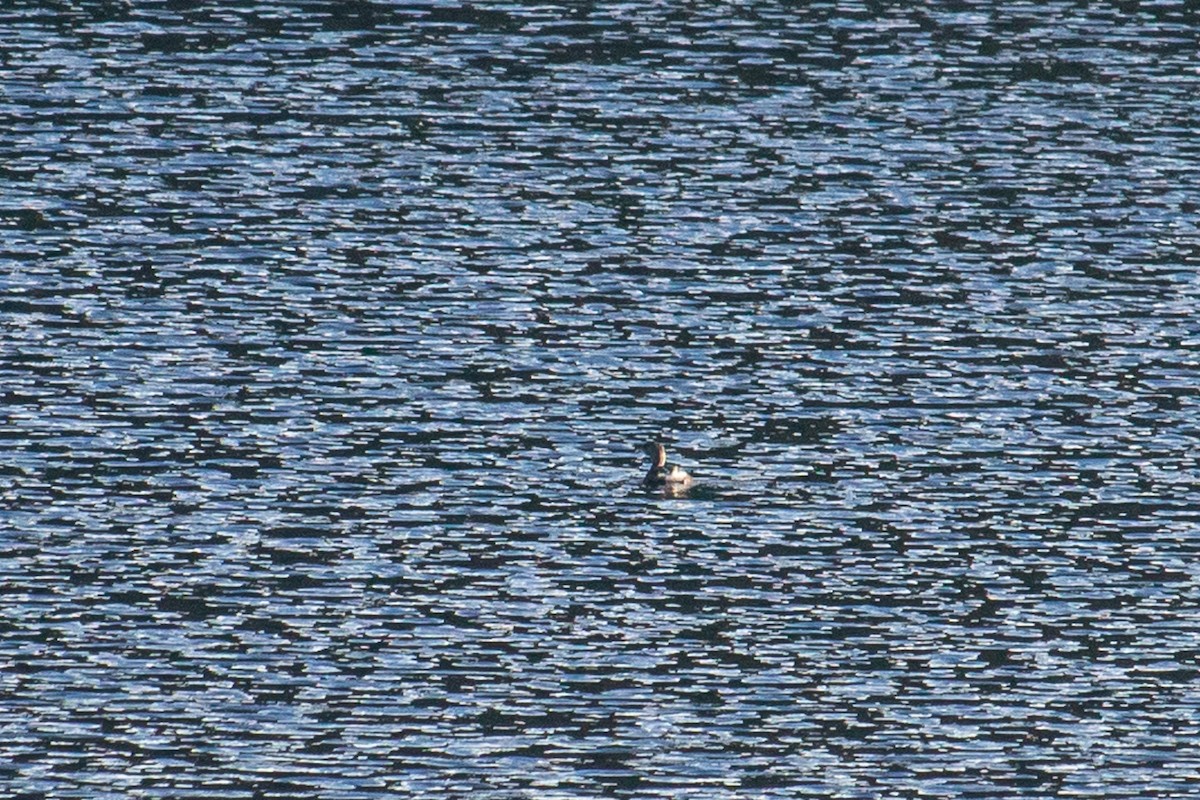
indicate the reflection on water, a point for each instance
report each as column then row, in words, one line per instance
column 328, row 334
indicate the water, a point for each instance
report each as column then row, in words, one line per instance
column 330, row 334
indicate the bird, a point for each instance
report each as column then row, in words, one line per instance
column 670, row 478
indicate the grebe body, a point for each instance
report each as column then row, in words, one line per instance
column 664, row 476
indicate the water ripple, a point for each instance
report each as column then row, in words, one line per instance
column 329, row 335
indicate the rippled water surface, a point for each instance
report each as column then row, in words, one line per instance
column 330, row 333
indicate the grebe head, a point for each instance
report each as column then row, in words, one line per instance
column 657, row 453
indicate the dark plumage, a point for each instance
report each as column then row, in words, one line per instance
column 670, row 477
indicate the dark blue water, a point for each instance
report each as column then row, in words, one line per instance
column 330, row 333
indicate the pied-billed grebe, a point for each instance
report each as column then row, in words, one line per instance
column 662, row 475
